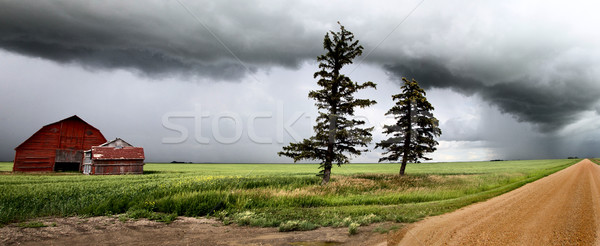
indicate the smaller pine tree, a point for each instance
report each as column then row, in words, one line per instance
column 415, row 130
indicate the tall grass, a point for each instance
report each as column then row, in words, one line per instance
column 269, row 194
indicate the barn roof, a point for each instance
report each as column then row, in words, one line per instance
column 74, row 117
column 112, row 153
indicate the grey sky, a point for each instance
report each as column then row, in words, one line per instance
column 509, row 80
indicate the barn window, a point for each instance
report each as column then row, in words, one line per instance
column 88, row 132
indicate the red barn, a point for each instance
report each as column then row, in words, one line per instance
column 57, row 147
column 114, row 157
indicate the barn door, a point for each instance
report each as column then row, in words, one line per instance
column 68, row 160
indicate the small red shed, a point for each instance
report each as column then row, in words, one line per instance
column 114, row 157
column 57, row 146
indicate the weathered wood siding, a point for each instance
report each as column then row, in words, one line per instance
column 62, row 141
column 105, row 160
column 111, row 167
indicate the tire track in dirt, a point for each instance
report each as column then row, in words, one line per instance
column 561, row 209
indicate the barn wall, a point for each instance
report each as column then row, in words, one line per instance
column 46, row 138
column 92, row 137
column 108, row 167
column 63, row 141
column 39, row 151
column 32, row 160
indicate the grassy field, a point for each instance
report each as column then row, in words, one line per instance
column 284, row 195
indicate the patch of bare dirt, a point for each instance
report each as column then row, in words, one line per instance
column 183, row 231
column 561, row 209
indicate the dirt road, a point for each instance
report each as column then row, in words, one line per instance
column 561, row 209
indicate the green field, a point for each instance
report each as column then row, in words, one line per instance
column 285, row 195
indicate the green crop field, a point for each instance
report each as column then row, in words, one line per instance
column 285, row 195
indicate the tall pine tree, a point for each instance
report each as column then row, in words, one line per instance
column 336, row 133
column 415, row 130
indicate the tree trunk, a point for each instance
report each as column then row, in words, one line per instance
column 332, row 132
column 407, row 140
column 330, row 151
column 326, row 174
column 403, row 166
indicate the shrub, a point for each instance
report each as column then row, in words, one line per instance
column 353, row 228
column 34, row 224
column 368, row 219
column 347, row 221
column 163, row 217
column 244, row 218
column 123, row 218
column 138, row 213
column 156, row 216
column 251, row 219
column 297, row 225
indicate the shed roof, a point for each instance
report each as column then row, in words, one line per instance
column 112, row 153
column 120, row 142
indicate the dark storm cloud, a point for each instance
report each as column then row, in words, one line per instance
column 549, row 105
column 156, row 37
column 535, row 60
